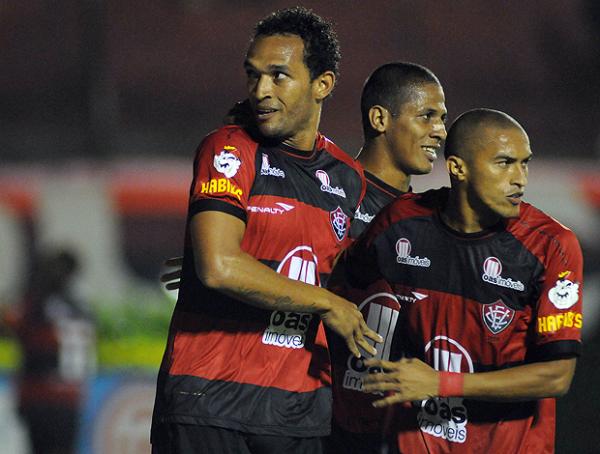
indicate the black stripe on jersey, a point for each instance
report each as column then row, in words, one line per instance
column 561, row 349
column 216, row 205
column 195, row 298
column 447, row 253
column 196, row 400
column 296, row 178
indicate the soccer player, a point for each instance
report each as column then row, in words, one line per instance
column 246, row 368
column 490, row 294
column 403, row 114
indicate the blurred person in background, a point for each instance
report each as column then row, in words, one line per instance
column 57, row 340
column 486, row 292
column 246, row 369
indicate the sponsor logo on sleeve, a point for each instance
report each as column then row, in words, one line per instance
column 339, row 223
column 364, row 217
column 227, row 162
column 267, row 170
column 556, row 322
column 403, row 248
column 288, row 329
column 446, row 417
column 221, row 186
column 492, row 270
column 381, row 312
column 565, row 292
column 326, row 184
column 497, row 316
column 277, row 208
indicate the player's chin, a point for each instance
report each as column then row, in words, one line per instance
column 423, row 168
column 510, row 211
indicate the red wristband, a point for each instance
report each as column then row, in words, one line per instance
column 451, row 384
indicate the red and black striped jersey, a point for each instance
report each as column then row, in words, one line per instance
column 229, row 364
column 508, row 296
column 352, row 408
column 378, row 195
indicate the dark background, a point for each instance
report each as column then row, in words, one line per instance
column 117, row 79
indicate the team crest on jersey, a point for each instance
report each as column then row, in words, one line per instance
column 403, row 248
column 492, row 274
column 339, row 223
column 227, row 162
column 326, row 184
column 267, row 170
column 497, row 316
column 565, row 292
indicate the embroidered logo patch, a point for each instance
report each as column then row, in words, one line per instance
column 227, row 162
column 497, row 316
column 565, row 292
column 339, row 223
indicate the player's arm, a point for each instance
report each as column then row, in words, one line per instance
column 222, row 265
column 412, row 379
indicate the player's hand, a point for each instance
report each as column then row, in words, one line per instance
column 346, row 320
column 409, row 379
column 175, row 275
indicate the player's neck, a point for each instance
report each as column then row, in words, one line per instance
column 378, row 163
column 459, row 215
column 304, row 140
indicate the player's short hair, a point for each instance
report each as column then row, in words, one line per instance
column 321, row 46
column 465, row 130
column 391, row 86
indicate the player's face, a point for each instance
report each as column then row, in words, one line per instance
column 418, row 130
column 280, row 90
column 498, row 171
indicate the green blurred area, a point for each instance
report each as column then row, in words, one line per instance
column 131, row 334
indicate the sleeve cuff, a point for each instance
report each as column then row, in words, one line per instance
column 556, row 350
column 217, row 205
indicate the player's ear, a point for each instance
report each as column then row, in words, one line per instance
column 457, row 168
column 323, row 85
column 379, row 118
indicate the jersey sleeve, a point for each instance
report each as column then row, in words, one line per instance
column 224, row 170
column 560, row 305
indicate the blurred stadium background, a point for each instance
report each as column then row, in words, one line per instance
column 102, row 104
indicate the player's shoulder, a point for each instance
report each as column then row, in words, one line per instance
column 326, row 144
column 232, row 135
column 408, row 207
column 539, row 228
column 412, row 204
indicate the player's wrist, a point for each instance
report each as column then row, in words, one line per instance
column 451, row 384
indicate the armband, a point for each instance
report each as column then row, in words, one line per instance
column 451, row 384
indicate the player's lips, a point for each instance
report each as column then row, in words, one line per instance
column 431, row 151
column 264, row 113
column 515, row 198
